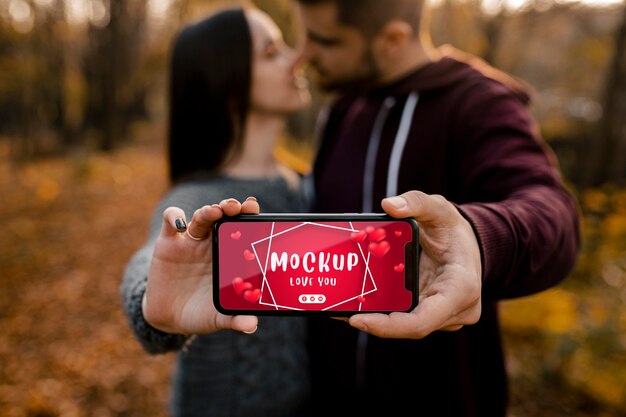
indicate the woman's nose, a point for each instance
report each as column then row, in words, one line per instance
column 298, row 60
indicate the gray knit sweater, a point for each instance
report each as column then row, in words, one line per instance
column 227, row 373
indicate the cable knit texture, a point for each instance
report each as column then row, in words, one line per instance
column 228, row 373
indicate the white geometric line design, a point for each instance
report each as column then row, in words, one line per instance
column 263, row 268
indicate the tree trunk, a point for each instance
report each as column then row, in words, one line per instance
column 607, row 146
column 114, row 97
column 617, row 169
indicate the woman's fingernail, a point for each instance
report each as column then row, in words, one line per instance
column 251, row 198
column 397, row 202
column 228, row 201
column 180, row 224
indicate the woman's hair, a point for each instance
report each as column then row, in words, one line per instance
column 209, row 93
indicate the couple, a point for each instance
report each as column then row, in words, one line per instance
column 416, row 131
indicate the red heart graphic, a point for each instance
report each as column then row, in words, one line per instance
column 376, row 235
column 240, row 285
column 360, row 299
column 248, row 256
column 235, row 235
column 399, row 267
column 252, row 295
column 379, row 249
column 358, row 236
column 398, row 233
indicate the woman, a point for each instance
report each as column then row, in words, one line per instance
column 232, row 85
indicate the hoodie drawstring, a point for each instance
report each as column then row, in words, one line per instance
column 399, row 143
column 372, row 150
column 396, row 151
column 392, row 187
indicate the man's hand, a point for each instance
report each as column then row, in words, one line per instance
column 179, row 293
column 450, row 280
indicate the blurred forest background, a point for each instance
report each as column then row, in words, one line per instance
column 82, row 164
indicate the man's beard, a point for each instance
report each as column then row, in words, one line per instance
column 368, row 77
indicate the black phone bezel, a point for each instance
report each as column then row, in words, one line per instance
column 412, row 255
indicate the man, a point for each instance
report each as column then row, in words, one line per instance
column 460, row 150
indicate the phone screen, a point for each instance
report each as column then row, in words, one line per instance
column 265, row 264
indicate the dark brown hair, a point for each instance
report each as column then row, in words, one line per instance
column 209, row 93
column 370, row 16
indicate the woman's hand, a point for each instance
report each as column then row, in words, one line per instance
column 179, row 293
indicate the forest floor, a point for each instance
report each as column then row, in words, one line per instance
column 68, row 228
column 69, row 225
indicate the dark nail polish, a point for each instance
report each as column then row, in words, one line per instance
column 180, row 224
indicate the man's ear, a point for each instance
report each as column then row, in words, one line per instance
column 393, row 37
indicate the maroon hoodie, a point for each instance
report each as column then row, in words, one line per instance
column 446, row 129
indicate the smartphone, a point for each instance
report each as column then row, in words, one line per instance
column 315, row 264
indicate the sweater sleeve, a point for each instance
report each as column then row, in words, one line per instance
column 529, row 243
column 525, row 218
column 132, row 289
column 135, row 277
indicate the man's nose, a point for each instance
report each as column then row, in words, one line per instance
column 306, row 50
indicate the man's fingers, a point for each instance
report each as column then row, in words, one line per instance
column 394, row 325
column 431, row 314
column 469, row 316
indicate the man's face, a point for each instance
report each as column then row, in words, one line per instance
column 339, row 56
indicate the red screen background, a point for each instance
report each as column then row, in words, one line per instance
column 374, row 250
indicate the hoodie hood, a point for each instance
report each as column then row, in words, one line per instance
column 453, row 67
